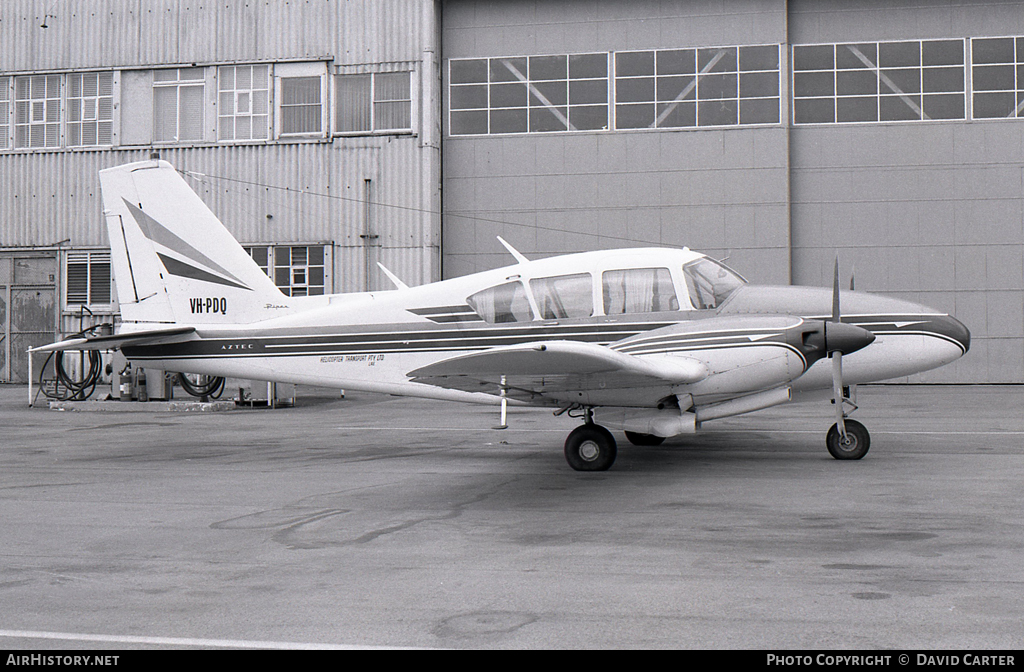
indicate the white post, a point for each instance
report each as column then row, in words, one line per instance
column 30, row 377
column 504, row 404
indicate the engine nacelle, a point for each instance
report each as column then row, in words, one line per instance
column 666, row 422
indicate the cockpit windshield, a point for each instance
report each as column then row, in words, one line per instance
column 710, row 282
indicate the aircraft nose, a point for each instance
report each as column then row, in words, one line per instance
column 953, row 328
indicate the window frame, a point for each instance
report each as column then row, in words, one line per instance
column 267, row 125
column 887, row 90
column 271, row 267
column 542, row 97
column 371, row 98
column 286, row 71
column 6, row 111
column 1016, row 91
column 97, row 98
column 48, row 103
column 179, row 84
column 661, row 76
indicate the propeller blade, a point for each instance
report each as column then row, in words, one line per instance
column 837, row 391
column 835, row 293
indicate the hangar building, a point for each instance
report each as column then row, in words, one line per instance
column 330, row 135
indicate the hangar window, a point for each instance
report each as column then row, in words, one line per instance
column 297, row 270
column 638, row 290
column 5, row 112
column 373, row 102
column 564, row 296
column 90, row 109
column 997, row 77
column 37, row 111
column 243, row 102
column 507, row 302
column 680, row 88
column 301, row 93
column 878, row 81
column 87, row 278
column 528, row 94
column 179, row 104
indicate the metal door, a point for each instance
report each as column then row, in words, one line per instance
column 28, row 309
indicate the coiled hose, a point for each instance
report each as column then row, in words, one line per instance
column 74, row 390
column 207, row 386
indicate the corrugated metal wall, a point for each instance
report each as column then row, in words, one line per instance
column 312, row 191
column 101, row 33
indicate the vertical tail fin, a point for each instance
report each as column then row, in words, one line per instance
column 174, row 262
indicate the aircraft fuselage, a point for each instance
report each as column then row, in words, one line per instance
column 372, row 341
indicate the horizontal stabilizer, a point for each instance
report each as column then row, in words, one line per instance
column 148, row 337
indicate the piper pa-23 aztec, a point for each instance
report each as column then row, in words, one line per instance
column 653, row 341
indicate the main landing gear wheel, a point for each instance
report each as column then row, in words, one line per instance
column 590, row 448
column 638, row 439
column 856, row 444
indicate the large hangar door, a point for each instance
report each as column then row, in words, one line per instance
column 28, row 309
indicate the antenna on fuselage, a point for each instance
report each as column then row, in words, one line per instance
column 515, row 253
column 392, row 277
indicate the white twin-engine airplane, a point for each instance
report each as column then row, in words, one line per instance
column 652, row 341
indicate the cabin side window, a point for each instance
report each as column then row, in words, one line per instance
column 503, row 303
column 638, row 290
column 564, row 296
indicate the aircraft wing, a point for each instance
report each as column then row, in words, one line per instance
column 148, row 337
column 531, row 369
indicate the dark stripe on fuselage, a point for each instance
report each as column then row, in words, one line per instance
column 413, row 338
column 448, row 314
column 939, row 326
column 441, row 310
column 398, row 339
column 444, row 319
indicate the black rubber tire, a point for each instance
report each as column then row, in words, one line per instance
column 638, row 439
column 858, row 441
column 590, row 448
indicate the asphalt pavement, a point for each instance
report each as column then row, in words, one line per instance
column 373, row 521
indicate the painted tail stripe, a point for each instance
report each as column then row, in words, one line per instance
column 158, row 233
column 181, row 269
